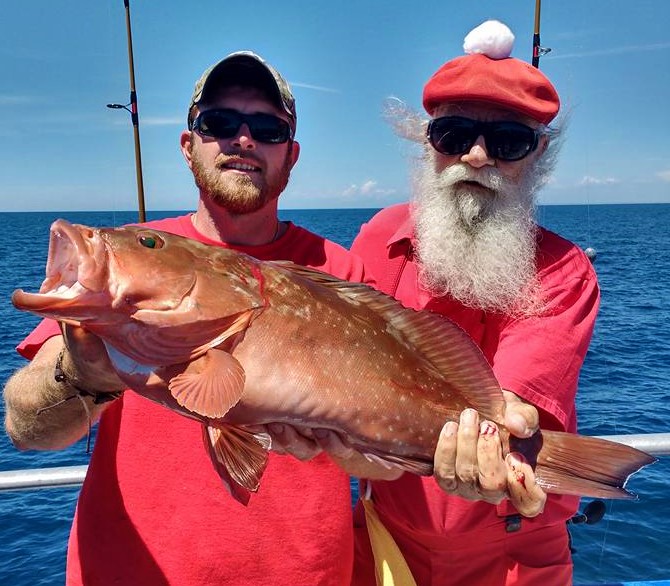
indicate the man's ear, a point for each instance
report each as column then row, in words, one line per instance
column 186, row 145
column 295, row 153
column 542, row 144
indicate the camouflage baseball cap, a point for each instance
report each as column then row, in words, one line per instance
column 245, row 68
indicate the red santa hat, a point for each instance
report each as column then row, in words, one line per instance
column 488, row 74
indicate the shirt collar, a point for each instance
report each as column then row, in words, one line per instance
column 405, row 231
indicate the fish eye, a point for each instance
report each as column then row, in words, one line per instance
column 150, row 240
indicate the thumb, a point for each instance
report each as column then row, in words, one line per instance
column 521, row 418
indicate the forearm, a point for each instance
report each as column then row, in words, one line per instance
column 37, row 414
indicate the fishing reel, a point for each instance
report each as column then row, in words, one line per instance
column 591, row 514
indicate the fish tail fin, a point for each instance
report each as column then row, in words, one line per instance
column 585, row 466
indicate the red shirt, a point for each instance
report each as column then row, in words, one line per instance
column 153, row 511
column 537, row 358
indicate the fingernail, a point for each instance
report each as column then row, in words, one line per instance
column 450, row 429
column 518, row 425
column 514, row 460
column 486, row 429
column 468, row 417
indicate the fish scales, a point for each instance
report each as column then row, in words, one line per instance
column 343, row 364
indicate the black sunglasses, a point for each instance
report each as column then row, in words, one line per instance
column 226, row 123
column 505, row 140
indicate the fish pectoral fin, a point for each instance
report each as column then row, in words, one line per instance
column 209, row 386
column 239, row 457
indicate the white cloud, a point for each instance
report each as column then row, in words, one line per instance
column 351, row 190
column 158, row 121
column 9, row 100
column 153, row 121
column 589, row 180
column 367, row 188
column 663, row 175
column 318, row 88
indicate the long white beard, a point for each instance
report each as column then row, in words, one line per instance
column 476, row 237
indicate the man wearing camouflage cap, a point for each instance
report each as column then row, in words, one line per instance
column 152, row 510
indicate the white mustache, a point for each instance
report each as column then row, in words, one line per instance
column 488, row 177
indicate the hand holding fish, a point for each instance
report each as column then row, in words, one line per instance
column 89, row 365
column 51, row 403
column 469, row 459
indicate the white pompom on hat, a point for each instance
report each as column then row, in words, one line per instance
column 491, row 38
column 488, row 74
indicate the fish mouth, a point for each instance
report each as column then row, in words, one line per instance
column 76, row 267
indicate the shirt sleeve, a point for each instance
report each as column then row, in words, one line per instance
column 46, row 329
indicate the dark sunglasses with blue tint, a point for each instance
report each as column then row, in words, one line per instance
column 226, row 123
column 505, row 140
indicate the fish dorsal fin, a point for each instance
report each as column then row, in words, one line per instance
column 444, row 345
column 211, row 385
column 239, row 457
column 454, row 355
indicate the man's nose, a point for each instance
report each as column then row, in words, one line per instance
column 243, row 138
column 478, row 156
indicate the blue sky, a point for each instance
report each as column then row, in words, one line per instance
column 62, row 61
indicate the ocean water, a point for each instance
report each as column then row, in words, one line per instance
column 623, row 387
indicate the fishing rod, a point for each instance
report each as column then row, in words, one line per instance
column 134, row 116
column 538, row 50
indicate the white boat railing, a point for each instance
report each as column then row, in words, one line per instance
column 55, row 477
column 656, row 444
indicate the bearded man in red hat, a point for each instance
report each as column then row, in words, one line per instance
column 468, row 247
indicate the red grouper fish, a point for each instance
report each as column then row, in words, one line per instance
column 237, row 343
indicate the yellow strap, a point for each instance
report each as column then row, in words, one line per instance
column 390, row 566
